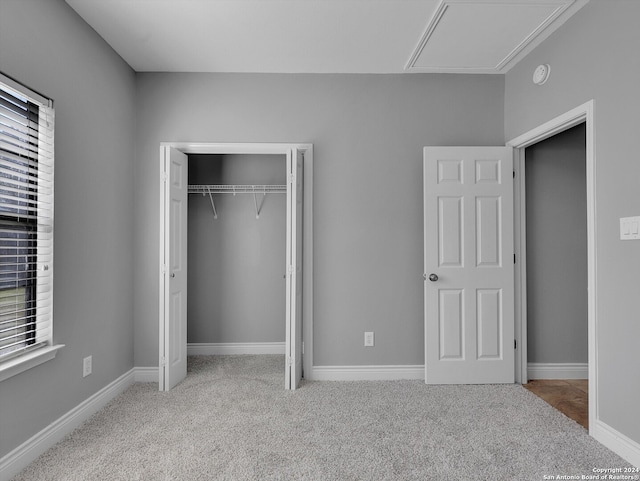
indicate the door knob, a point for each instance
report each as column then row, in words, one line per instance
column 173, row 274
column 433, row 277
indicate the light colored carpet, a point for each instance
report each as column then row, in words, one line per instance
column 231, row 419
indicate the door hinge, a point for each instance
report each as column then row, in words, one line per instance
column 163, row 269
column 514, row 174
column 164, row 177
column 514, row 258
column 163, row 361
column 289, row 361
column 290, row 270
column 292, row 178
column 515, row 344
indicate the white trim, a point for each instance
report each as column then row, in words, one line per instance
column 365, row 373
column 520, row 268
column 145, row 374
column 431, row 27
column 538, row 370
column 307, row 261
column 617, row 442
column 583, row 113
column 235, row 148
column 307, row 283
column 222, row 348
column 18, row 459
column 559, row 124
column 161, row 268
column 565, row 10
column 26, row 361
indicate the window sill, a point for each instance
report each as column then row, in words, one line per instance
column 32, row 359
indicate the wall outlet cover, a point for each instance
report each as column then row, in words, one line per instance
column 368, row 339
column 87, row 367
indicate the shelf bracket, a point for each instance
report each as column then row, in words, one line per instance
column 213, row 205
column 255, row 201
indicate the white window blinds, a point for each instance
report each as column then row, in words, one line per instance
column 26, row 220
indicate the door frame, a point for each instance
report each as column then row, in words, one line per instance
column 581, row 114
column 307, row 241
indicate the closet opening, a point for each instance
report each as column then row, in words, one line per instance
column 236, row 254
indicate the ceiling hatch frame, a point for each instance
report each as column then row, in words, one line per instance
column 563, row 10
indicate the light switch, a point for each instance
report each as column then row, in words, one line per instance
column 629, row 228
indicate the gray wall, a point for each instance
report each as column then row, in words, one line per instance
column 594, row 56
column 236, row 262
column 557, row 249
column 368, row 132
column 46, row 46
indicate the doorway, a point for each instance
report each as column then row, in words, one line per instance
column 173, row 253
column 583, row 114
column 556, row 259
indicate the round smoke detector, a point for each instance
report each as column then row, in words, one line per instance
column 541, row 74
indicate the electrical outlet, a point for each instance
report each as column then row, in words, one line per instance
column 368, row 339
column 86, row 366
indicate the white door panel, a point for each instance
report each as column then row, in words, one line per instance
column 174, row 345
column 293, row 365
column 296, row 348
column 468, row 235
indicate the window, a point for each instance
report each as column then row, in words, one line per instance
column 26, row 221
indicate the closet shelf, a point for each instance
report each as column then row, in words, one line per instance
column 210, row 189
column 236, row 189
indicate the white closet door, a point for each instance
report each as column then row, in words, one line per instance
column 293, row 364
column 468, row 260
column 173, row 345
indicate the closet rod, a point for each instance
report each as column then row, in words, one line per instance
column 256, row 190
column 236, row 189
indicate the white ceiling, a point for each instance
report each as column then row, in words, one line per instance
column 324, row 36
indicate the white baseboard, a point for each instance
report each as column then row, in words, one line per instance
column 538, row 370
column 364, row 373
column 146, row 374
column 18, row 459
column 617, row 442
column 221, row 348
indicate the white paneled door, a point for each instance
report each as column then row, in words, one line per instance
column 173, row 338
column 468, row 261
column 293, row 368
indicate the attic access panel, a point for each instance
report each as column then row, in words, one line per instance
column 483, row 36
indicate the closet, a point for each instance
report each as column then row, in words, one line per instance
column 236, row 252
column 239, row 198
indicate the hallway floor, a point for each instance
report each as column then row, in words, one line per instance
column 569, row 396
